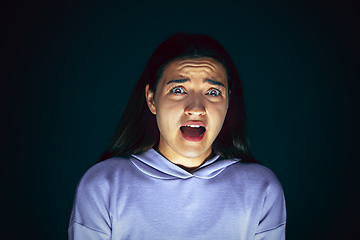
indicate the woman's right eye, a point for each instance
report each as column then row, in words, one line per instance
column 177, row 90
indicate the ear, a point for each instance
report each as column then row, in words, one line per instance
column 149, row 95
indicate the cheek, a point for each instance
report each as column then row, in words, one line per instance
column 167, row 116
column 218, row 117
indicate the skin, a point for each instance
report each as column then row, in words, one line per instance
column 190, row 89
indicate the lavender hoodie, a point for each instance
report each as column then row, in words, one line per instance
column 147, row 197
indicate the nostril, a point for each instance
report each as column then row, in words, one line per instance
column 195, row 111
column 199, row 113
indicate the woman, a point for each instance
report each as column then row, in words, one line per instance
column 179, row 165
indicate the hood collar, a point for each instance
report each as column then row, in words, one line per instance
column 155, row 165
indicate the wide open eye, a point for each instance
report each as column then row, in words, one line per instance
column 214, row 92
column 178, row 90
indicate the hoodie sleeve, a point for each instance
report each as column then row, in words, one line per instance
column 78, row 231
column 273, row 216
column 90, row 217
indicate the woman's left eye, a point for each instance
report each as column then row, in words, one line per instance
column 214, row 92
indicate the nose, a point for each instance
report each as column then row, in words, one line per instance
column 195, row 107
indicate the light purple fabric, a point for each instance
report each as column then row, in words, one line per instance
column 148, row 197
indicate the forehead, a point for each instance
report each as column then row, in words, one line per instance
column 207, row 67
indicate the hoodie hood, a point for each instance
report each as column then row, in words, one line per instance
column 155, row 165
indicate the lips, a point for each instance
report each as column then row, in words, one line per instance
column 193, row 131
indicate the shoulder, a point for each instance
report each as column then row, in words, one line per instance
column 261, row 184
column 94, row 194
column 253, row 170
column 104, row 174
column 256, row 175
column 265, row 189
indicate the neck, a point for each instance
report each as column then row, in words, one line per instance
column 188, row 164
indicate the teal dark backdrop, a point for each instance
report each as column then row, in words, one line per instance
column 68, row 70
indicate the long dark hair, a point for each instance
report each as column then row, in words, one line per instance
column 138, row 132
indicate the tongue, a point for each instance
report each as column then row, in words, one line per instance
column 193, row 132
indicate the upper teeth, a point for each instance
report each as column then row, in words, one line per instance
column 193, row 126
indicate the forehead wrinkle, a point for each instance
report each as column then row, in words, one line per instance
column 196, row 62
column 187, row 72
column 205, row 64
column 190, row 70
column 191, row 73
column 186, row 68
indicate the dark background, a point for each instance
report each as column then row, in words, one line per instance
column 68, row 68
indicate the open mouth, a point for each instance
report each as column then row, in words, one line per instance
column 193, row 131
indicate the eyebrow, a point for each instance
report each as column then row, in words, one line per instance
column 213, row 82
column 178, row 81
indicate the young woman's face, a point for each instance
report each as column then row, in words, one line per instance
column 190, row 105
